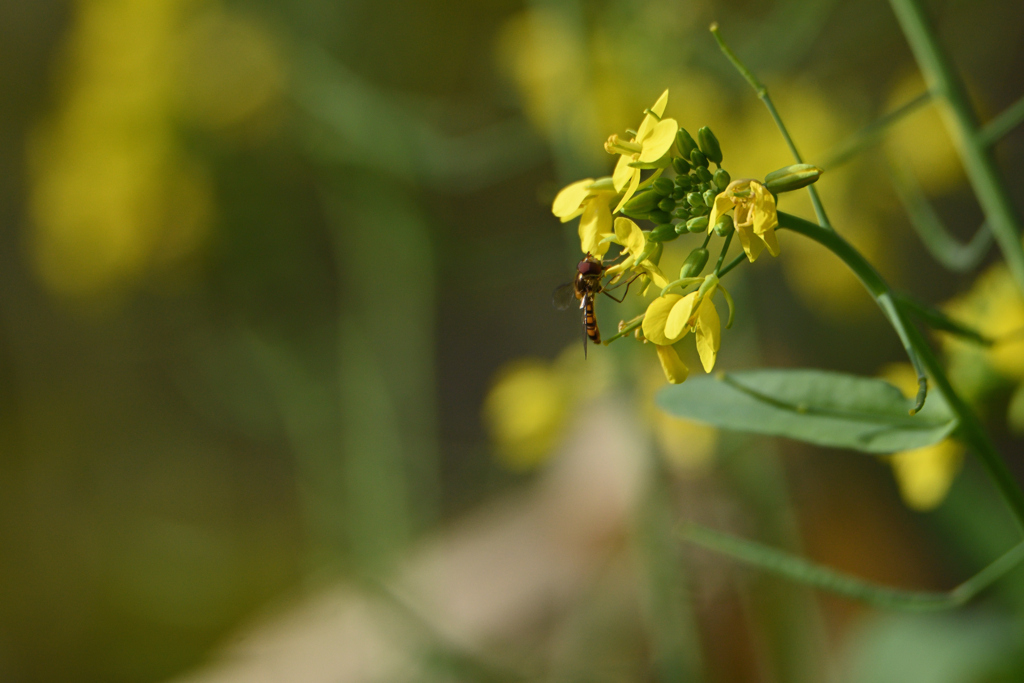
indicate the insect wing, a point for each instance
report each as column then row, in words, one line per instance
column 564, row 297
column 584, row 325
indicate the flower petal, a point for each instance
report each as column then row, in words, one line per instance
column 657, row 277
column 569, row 202
column 722, row 205
column 659, row 141
column 672, row 365
column 622, row 173
column 765, row 215
column 595, row 223
column 709, row 333
column 633, row 184
column 752, row 245
column 654, row 319
column 771, row 242
column 659, row 105
column 679, row 316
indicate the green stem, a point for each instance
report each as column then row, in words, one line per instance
column 874, row 283
column 960, row 120
column 806, row 572
column 872, row 133
column 626, row 329
column 725, row 250
column 993, row 131
column 921, row 356
column 762, row 93
column 732, row 264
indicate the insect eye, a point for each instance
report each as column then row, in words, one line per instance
column 589, row 268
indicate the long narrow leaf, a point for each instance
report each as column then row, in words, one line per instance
column 809, row 573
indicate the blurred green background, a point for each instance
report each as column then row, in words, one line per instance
column 260, row 261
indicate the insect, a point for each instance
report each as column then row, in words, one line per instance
column 585, row 288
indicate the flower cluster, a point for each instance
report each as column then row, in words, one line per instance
column 680, row 194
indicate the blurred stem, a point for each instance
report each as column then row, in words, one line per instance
column 970, row 428
column 937, row 320
column 993, row 131
column 809, row 573
column 762, row 94
column 943, row 247
column 666, row 595
column 962, row 125
column 870, row 278
column 870, row 134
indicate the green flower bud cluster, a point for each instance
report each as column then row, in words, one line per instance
column 683, row 203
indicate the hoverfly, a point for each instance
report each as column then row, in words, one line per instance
column 585, row 288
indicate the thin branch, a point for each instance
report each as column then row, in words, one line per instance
column 762, row 94
column 809, row 573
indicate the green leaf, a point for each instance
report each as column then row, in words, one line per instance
column 824, row 408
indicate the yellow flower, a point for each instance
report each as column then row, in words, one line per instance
column 755, row 217
column 648, row 149
column 592, row 200
column 634, row 243
column 670, row 317
column 923, row 475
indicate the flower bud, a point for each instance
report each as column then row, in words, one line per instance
column 643, row 202
column 697, row 158
column 678, row 193
column 684, row 181
column 701, row 209
column 667, row 204
column 703, row 174
column 722, row 179
column 697, row 224
column 651, row 252
column 724, row 225
column 658, row 217
column 709, row 145
column 664, row 233
column 791, row 178
column 662, row 186
column 681, row 212
column 681, row 165
column 685, row 141
column 694, row 199
column 694, row 263
column 709, row 198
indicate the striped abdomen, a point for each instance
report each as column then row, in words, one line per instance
column 590, row 320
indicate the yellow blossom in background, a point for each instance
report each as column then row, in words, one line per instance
column 754, row 216
column 651, row 144
column 688, row 447
column 529, row 403
column 921, row 140
column 994, row 306
column 113, row 192
column 591, row 200
column 923, row 475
